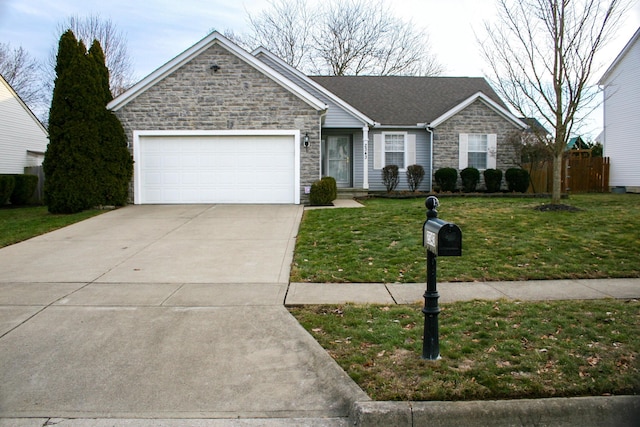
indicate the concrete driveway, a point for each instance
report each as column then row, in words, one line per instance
column 162, row 312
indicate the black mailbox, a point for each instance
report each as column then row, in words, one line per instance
column 442, row 238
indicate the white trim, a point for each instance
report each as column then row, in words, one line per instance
column 341, row 103
column 365, row 157
column 488, row 101
column 137, row 185
column 197, row 49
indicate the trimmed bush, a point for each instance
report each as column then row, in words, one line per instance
column 415, row 175
column 390, row 177
column 7, row 184
column 323, row 192
column 331, row 182
column 470, row 178
column 517, row 180
column 447, row 178
column 493, row 180
column 24, row 189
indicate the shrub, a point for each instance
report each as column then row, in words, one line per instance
column 493, row 180
column 447, row 178
column 24, row 189
column 322, row 192
column 470, row 178
column 517, row 179
column 415, row 175
column 331, row 182
column 390, row 177
column 7, row 183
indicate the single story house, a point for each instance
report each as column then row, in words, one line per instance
column 23, row 139
column 621, row 107
column 218, row 124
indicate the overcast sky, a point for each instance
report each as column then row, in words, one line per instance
column 158, row 30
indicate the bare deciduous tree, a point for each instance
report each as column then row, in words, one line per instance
column 113, row 42
column 542, row 57
column 23, row 73
column 349, row 37
column 285, row 30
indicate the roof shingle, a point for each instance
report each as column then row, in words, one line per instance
column 405, row 100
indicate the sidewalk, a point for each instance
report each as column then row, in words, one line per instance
column 409, row 293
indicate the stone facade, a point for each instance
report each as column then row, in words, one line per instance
column 236, row 96
column 476, row 118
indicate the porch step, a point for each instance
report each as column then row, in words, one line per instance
column 350, row 193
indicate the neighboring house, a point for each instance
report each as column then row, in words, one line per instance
column 23, row 139
column 577, row 143
column 218, row 124
column 621, row 135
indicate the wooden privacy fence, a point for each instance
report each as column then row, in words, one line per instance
column 579, row 175
column 38, row 194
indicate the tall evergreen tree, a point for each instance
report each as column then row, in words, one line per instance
column 87, row 161
column 115, row 160
column 71, row 183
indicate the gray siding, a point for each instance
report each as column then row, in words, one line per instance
column 423, row 153
column 236, row 97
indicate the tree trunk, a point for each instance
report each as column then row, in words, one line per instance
column 557, row 178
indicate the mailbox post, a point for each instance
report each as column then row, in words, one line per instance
column 439, row 238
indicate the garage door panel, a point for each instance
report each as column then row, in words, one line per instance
column 216, row 169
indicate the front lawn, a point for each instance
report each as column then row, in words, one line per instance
column 18, row 224
column 490, row 349
column 503, row 239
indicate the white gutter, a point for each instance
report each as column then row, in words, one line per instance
column 365, row 153
column 430, row 130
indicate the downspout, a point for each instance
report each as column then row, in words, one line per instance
column 430, row 130
column 365, row 155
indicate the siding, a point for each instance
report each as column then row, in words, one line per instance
column 422, row 158
column 622, row 119
column 19, row 131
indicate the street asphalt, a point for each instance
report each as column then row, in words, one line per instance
column 175, row 316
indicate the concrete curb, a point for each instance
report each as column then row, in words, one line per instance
column 605, row 411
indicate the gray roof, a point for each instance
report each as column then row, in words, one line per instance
column 402, row 100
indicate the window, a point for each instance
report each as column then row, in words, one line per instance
column 394, row 149
column 477, row 151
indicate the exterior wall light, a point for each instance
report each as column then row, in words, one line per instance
column 306, row 140
column 215, row 68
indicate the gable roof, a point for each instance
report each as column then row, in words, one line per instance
column 326, row 95
column 23, row 105
column 405, row 100
column 197, row 49
column 621, row 55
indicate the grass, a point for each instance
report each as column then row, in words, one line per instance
column 18, row 224
column 490, row 349
column 503, row 239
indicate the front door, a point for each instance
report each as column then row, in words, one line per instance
column 338, row 159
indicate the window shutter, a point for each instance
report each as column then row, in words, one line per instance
column 463, row 152
column 492, row 150
column 378, row 152
column 411, row 151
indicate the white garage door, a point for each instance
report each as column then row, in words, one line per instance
column 224, row 168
